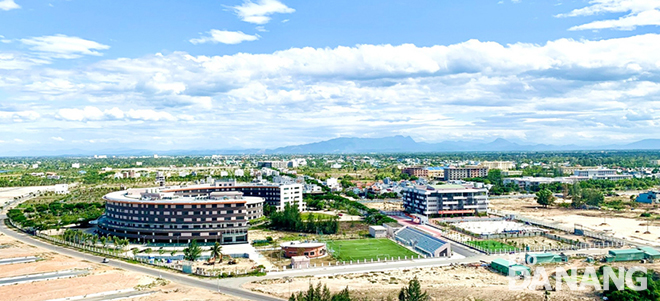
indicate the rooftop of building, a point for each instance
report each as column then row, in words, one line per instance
column 298, row 244
column 160, row 196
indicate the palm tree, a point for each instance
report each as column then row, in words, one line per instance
column 95, row 239
column 216, row 251
column 192, row 252
column 104, row 241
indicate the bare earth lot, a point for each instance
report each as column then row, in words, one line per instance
column 100, row 278
column 442, row 283
column 621, row 224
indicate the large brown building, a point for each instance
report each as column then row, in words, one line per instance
column 460, row 173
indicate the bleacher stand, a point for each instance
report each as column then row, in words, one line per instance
column 423, row 242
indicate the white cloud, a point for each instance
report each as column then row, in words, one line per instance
column 19, row 116
column 62, row 46
column 606, row 88
column 91, row 113
column 226, row 37
column 150, row 115
column 259, row 12
column 640, row 13
column 8, row 5
column 57, row 138
column 16, row 61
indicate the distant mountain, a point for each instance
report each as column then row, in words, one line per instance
column 405, row 144
column 394, row 144
column 643, row 144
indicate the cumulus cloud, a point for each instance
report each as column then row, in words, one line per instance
column 19, row 116
column 225, row 37
column 8, row 5
column 91, row 113
column 606, row 88
column 640, row 13
column 259, row 12
column 57, row 138
column 62, row 46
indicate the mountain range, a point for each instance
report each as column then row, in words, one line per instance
column 393, row 144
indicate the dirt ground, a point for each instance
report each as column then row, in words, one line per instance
column 385, row 205
column 621, row 224
column 442, row 283
column 100, row 278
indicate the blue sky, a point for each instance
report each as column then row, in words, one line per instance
column 164, row 75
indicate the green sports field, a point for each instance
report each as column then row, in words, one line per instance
column 360, row 249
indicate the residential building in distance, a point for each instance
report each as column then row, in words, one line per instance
column 274, row 194
column 459, row 173
column 416, row 171
column 530, row 183
column 569, row 170
column 601, row 174
column 501, row 165
column 165, row 216
column 510, row 173
column 435, row 172
column 437, row 200
column 273, row 164
column 650, row 197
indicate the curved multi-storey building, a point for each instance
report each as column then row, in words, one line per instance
column 159, row 215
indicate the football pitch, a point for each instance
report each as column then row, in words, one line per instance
column 361, row 249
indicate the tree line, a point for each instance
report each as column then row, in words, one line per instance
column 411, row 292
column 290, row 219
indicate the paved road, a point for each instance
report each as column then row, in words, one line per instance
column 18, row 260
column 119, row 295
column 40, row 277
column 212, row 285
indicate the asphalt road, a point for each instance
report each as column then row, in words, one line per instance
column 213, row 285
column 40, row 277
column 115, row 296
column 18, row 260
column 231, row 286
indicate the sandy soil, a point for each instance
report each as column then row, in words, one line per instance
column 100, row 278
column 622, row 224
column 385, row 205
column 178, row 292
column 442, row 283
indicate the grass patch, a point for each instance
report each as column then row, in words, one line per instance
column 360, row 249
column 316, row 215
column 492, row 245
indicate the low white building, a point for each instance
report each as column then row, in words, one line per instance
column 377, row 231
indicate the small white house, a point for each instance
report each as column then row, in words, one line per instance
column 378, row 231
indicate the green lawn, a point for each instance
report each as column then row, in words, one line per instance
column 492, row 245
column 320, row 216
column 360, row 249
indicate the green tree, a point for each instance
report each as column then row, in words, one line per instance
column 318, row 293
column 592, row 197
column 216, row 251
column 545, row 197
column 192, row 252
column 413, row 292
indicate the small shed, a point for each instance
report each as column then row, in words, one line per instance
column 509, row 268
column 541, row 258
column 378, row 231
column 299, row 262
column 625, row 255
column 650, row 253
